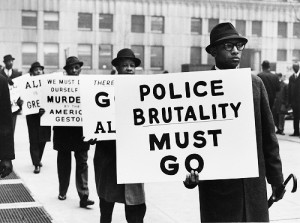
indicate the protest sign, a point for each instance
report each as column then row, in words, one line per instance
column 98, row 106
column 29, row 89
column 60, row 97
column 172, row 123
column 14, row 94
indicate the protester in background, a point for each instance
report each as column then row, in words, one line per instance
column 7, row 152
column 241, row 200
column 38, row 135
column 109, row 192
column 280, row 107
column 9, row 73
column 270, row 81
column 294, row 97
column 67, row 139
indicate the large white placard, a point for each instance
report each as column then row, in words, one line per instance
column 14, row 94
column 98, row 106
column 60, row 97
column 29, row 89
column 169, row 124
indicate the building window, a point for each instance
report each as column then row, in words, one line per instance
column 296, row 55
column 157, row 24
column 195, row 55
column 85, row 55
column 281, row 55
column 106, row 22
column 105, row 56
column 257, row 28
column 212, row 23
column 282, row 29
column 29, row 19
column 51, row 20
column 196, row 26
column 51, row 55
column 29, row 54
column 139, row 53
column 85, row 21
column 240, row 26
column 296, row 31
column 157, row 57
column 137, row 23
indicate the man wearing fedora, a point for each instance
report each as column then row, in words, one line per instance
column 241, row 200
column 109, row 192
column 67, row 139
column 9, row 73
column 38, row 135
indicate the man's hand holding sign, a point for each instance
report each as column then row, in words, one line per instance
column 189, row 123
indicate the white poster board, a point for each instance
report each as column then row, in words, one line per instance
column 169, row 124
column 60, row 97
column 98, row 106
column 14, row 94
column 29, row 89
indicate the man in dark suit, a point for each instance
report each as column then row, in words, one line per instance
column 67, row 139
column 7, row 152
column 270, row 81
column 294, row 97
column 9, row 73
column 241, row 200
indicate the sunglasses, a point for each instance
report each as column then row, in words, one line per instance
column 229, row 46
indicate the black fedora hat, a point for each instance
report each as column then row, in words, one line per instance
column 71, row 61
column 7, row 58
column 221, row 33
column 34, row 65
column 125, row 54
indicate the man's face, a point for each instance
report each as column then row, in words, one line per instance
column 296, row 67
column 126, row 66
column 228, row 54
column 37, row 71
column 9, row 64
column 74, row 70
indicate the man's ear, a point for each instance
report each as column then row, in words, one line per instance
column 213, row 51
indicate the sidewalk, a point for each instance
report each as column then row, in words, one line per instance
column 166, row 202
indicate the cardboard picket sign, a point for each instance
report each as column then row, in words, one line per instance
column 172, row 123
column 14, row 94
column 60, row 97
column 29, row 88
column 98, row 107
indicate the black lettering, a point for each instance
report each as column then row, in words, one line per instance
column 165, row 140
column 172, row 167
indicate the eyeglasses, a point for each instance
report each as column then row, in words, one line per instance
column 229, row 46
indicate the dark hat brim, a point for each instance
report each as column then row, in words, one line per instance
column 208, row 48
column 31, row 68
column 71, row 64
column 115, row 62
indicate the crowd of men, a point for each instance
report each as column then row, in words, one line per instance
column 230, row 200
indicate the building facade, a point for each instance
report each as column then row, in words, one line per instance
column 164, row 34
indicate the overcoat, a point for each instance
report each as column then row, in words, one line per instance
column 36, row 132
column 238, row 200
column 69, row 138
column 6, row 125
column 294, row 93
column 106, row 177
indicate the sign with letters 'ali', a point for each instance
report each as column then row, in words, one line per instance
column 170, row 124
column 98, row 106
column 60, row 97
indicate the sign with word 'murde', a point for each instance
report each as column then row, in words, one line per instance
column 170, row 124
column 60, row 97
column 98, row 106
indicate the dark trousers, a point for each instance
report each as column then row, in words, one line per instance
column 64, row 171
column 133, row 213
column 296, row 120
column 36, row 152
column 14, row 119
